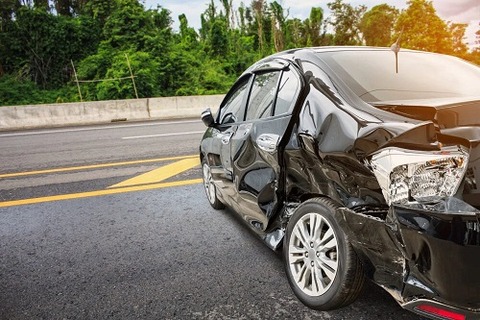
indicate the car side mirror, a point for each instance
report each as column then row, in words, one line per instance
column 207, row 118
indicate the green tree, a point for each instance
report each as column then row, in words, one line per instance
column 314, row 28
column 258, row 7
column 296, row 33
column 7, row 11
column 145, row 73
column 99, row 10
column 64, row 7
column 228, row 6
column 128, row 26
column 345, row 21
column 215, row 32
column 41, row 4
column 218, row 38
column 146, row 36
column 188, row 35
column 278, row 26
column 377, row 25
column 38, row 38
column 242, row 18
column 422, row 29
column 206, row 19
column 40, row 45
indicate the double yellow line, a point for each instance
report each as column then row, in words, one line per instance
column 147, row 181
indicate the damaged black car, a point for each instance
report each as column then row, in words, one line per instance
column 357, row 162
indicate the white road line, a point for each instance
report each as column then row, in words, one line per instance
column 163, row 135
column 113, row 126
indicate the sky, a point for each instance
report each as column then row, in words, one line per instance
column 458, row 11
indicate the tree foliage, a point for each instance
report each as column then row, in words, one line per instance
column 377, row 25
column 38, row 46
column 421, row 28
column 42, row 41
column 345, row 20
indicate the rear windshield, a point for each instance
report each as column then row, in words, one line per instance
column 372, row 74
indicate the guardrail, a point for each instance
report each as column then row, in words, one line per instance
column 63, row 114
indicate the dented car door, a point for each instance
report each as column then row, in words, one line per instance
column 255, row 145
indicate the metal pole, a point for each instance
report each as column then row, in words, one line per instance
column 131, row 75
column 76, row 80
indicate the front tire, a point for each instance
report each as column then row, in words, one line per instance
column 209, row 186
column 321, row 266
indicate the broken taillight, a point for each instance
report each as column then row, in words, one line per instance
column 419, row 176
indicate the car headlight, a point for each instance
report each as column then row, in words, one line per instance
column 427, row 177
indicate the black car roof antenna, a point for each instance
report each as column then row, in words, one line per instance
column 396, row 49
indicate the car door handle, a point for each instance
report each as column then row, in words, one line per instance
column 268, row 142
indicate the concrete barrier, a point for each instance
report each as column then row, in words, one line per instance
column 63, row 114
column 191, row 106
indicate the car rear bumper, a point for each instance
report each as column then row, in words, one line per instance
column 442, row 254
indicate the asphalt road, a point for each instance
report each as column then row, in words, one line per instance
column 97, row 236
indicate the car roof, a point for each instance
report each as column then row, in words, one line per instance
column 314, row 50
column 311, row 53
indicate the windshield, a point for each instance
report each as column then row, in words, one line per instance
column 371, row 74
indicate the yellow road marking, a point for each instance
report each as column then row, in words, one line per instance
column 98, row 193
column 147, row 181
column 95, row 166
column 159, row 174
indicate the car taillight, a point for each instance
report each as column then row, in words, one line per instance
column 439, row 312
column 427, row 177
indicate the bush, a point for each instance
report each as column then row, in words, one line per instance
column 21, row 92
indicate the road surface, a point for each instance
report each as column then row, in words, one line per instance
column 110, row 222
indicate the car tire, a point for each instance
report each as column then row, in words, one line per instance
column 210, row 188
column 322, row 267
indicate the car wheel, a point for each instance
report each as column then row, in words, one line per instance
column 209, row 186
column 322, row 268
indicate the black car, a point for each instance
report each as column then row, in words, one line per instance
column 358, row 162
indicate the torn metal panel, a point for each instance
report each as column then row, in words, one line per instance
column 377, row 243
column 437, row 247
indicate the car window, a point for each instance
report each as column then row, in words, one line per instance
column 421, row 75
column 287, row 92
column 262, row 96
column 233, row 109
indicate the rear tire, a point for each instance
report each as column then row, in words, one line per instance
column 210, row 188
column 321, row 265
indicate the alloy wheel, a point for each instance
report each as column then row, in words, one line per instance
column 312, row 254
column 208, row 184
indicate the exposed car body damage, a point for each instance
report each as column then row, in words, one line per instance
column 402, row 172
